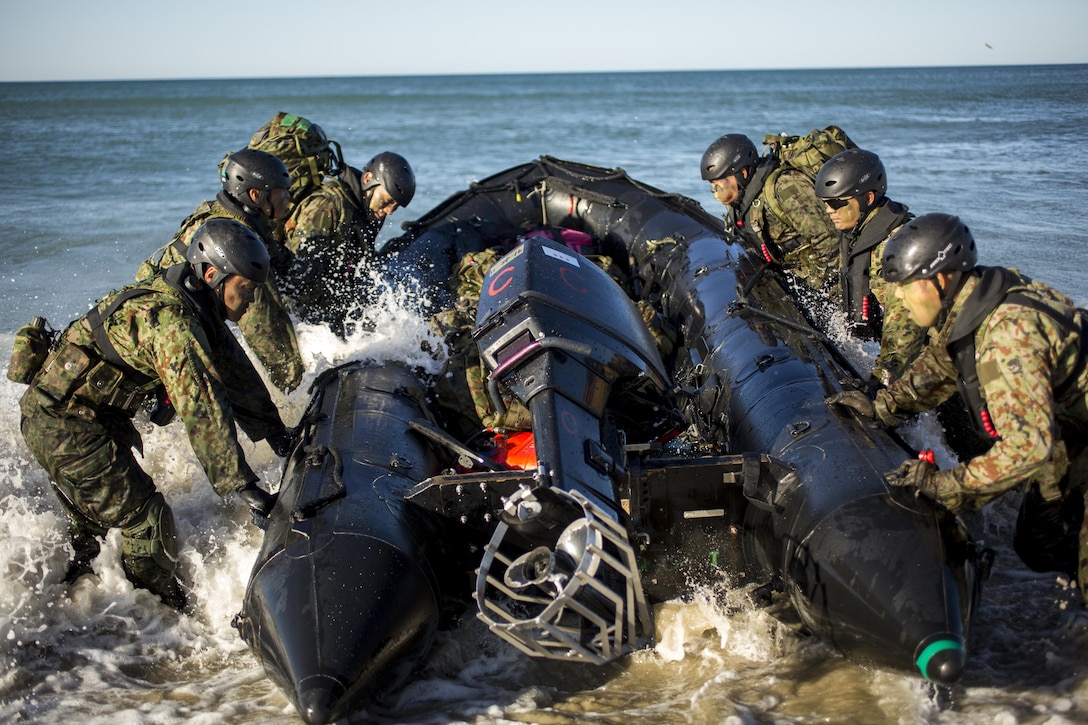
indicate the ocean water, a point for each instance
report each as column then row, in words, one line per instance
column 100, row 174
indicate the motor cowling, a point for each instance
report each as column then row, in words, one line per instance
column 559, row 576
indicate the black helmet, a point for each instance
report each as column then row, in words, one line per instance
column 232, row 248
column 727, row 156
column 927, row 245
column 392, row 172
column 853, row 172
column 252, row 169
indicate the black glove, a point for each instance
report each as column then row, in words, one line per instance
column 855, row 400
column 258, row 500
column 876, row 382
column 915, row 474
column 283, row 442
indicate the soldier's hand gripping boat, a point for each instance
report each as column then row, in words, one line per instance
column 650, row 474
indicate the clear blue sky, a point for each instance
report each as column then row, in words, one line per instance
column 129, row 39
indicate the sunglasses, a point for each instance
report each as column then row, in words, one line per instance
column 836, row 203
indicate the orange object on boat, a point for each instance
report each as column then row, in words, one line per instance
column 516, row 450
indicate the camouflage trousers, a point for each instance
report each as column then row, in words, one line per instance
column 100, row 486
column 270, row 334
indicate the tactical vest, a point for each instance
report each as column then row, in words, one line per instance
column 82, row 379
column 351, row 226
column 992, row 291
column 223, row 207
column 743, row 211
column 162, row 259
column 860, row 305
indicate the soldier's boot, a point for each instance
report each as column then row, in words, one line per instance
column 149, row 559
column 85, row 549
column 83, row 536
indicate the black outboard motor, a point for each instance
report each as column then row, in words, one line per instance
column 559, row 576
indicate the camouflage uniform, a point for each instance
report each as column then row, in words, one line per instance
column 464, row 367
column 77, row 419
column 331, row 234
column 1034, row 382
column 863, row 286
column 266, row 325
column 807, row 240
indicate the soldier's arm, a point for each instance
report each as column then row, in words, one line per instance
column 254, row 411
column 928, row 381
column 311, row 238
column 181, row 356
column 312, row 224
column 270, row 334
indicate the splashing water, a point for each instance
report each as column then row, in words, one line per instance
column 100, row 651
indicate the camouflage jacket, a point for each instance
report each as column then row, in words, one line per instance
column 181, row 340
column 1022, row 357
column 266, row 325
column 807, row 239
column 331, row 234
column 867, row 301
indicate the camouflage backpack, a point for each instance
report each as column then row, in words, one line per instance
column 304, row 149
column 806, row 154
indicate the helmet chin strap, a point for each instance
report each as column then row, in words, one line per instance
column 743, row 179
column 253, row 207
column 946, row 295
column 197, row 283
column 865, row 207
column 368, row 194
column 217, row 295
column 371, row 218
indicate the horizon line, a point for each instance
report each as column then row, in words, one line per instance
column 525, row 73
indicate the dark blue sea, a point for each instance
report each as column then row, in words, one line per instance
column 97, row 175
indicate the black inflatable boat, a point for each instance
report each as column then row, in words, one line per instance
column 717, row 461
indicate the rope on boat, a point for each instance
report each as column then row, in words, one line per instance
column 315, row 456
